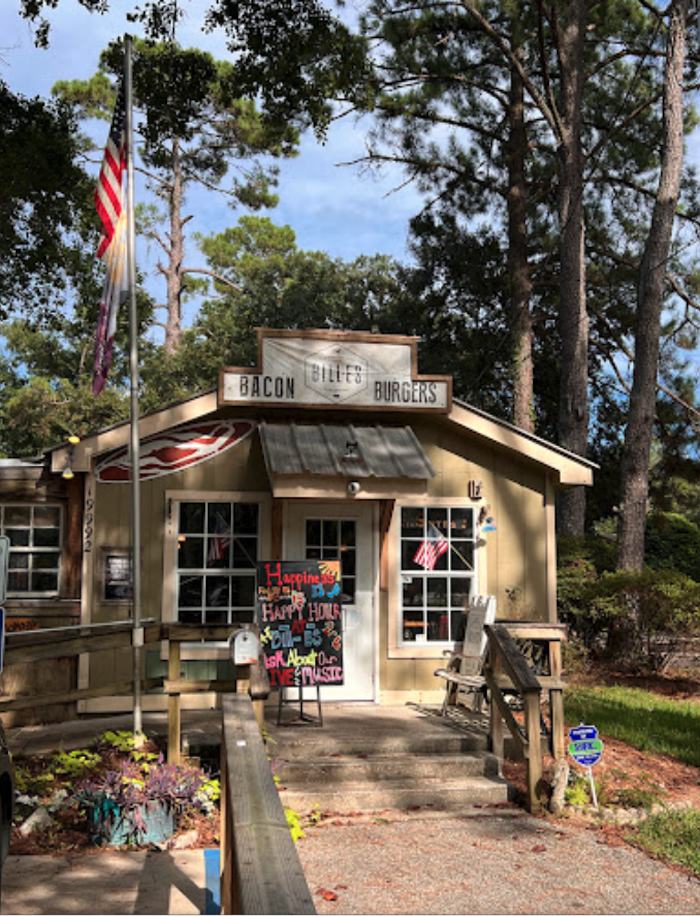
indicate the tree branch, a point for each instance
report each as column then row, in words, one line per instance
column 216, row 276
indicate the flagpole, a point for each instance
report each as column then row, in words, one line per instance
column 137, row 634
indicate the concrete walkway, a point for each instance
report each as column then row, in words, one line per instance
column 497, row 863
column 109, row 882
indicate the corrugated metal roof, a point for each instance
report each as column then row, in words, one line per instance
column 345, row 450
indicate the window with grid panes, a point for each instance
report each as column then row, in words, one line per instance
column 35, row 549
column 217, row 549
column 437, row 572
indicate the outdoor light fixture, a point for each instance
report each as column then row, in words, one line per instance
column 350, row 452
column 68, row 470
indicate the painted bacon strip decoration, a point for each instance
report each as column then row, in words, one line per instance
column 175, row 451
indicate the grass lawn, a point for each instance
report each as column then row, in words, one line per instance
column 656, row 724
column 639, row 718
column 673, row 836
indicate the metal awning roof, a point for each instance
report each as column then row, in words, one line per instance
column 344, row 450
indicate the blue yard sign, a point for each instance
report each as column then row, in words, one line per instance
column 586, row 748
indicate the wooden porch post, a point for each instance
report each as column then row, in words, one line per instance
column 556, row 703
column 534, row 748
column 174, row 728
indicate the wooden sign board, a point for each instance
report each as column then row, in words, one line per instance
column 300, row 617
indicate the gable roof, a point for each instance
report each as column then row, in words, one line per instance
column 569, row 469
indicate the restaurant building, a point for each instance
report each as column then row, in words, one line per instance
column 332, row 447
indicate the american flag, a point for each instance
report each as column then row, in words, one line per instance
column 431, row 549
column 218, row 548
column 114, row 294
column 109, row 193
column 109, row 200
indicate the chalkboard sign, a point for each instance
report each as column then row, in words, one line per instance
column 300, row 618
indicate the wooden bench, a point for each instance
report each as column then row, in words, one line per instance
column 464, row 670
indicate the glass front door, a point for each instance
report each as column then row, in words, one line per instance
column 334, row 532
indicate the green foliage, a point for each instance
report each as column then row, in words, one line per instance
column 29, row 783
column 612, row 792
column 194, row 121
column 580, row 563
column 43, row 197
column 120, row 740
column 578, row 791
column 125, row 743
column 212, row 790
column 260, row 278
column 74, row 764
column 673, row 836
column 296, row 56
column 605, row 608
column 294, row 824
column 43, row 412
column 639, row 718
column 673, row 542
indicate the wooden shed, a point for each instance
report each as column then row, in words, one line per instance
column 332, row 447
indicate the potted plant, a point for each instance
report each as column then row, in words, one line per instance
column 140, row 801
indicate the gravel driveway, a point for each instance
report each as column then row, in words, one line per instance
column 483, row 863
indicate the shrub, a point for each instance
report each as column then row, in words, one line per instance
column 672, row 542
column 625, row 613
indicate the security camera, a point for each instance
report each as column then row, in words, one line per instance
column 353, row 488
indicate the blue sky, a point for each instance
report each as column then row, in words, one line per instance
column 332, row 208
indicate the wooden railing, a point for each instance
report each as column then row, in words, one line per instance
column 247, row 678
column 507, row 672
column 36, row 646
column 261, row 871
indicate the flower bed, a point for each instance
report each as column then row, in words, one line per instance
column 114, row 794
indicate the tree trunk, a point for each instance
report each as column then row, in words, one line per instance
column 518, row 262
column 173, row 272
column 650, row 296
column 573, row 317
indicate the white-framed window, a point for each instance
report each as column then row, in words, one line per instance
column 437, row 560
column 217, row 549
column 35, row 549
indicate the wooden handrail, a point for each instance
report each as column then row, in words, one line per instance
column 69, row 642
column 505, row 658
column 515, row 666
column 261, row 871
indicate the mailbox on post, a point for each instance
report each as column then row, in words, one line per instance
column 245, row 647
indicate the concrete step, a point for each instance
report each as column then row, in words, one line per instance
column 308, row 743
column 339, row 769
column 385, row 758
column 443, row 794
